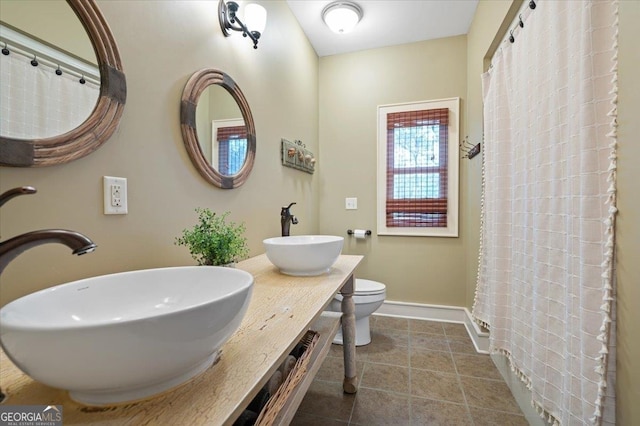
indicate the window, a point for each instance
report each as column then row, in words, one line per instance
column 229, row 146
column 418, row 168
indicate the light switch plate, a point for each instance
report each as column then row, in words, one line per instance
column 351, row 203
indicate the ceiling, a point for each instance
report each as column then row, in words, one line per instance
column 385, row 23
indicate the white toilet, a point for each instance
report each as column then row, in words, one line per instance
column 368, row 297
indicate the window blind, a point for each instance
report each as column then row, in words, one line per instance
column 232, row 148
column 417, row 173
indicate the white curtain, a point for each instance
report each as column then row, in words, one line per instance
column 545, row 278
column 37, row 103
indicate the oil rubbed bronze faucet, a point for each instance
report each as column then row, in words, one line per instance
column 286, row 219
column 11, row 248
column 22, row 190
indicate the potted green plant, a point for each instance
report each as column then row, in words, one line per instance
column 213, row 240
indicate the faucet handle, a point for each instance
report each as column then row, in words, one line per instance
column 294, row 220
column 11, row 193
column 284, row 212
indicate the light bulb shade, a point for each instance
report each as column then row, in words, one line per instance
column 342, row 17
column 255, row 17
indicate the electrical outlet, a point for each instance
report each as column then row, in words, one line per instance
column 115, row 195
column 351, row 203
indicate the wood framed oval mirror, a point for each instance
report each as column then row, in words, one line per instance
column 103, row 120
column 217, row 128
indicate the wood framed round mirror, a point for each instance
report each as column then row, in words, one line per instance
column 212, row 137
column 102, row 121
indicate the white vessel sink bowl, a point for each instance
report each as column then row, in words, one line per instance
column 304, row 255
column 126, row 336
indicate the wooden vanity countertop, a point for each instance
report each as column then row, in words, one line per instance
column 280, row 312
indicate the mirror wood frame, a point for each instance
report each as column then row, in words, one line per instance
column 104, row 118
column 194, row 88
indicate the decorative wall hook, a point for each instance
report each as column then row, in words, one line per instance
column 296, row 155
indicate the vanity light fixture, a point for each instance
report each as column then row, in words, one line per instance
column 255, row 20
column 341, row 16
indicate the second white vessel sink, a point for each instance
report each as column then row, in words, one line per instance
column 125, row 336
column 304, row 255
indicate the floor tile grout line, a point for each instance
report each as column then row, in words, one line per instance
column 454, row 343
column 464, row 393
column 403, row 394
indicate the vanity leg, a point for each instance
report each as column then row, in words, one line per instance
column 350, row 383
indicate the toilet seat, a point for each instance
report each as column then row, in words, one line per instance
column 366, row 288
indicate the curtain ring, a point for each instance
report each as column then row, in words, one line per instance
column 34, row 61
column 5, row 51
column 58, row 71
column 511, row 37
column 521, row 23
column 532, row 4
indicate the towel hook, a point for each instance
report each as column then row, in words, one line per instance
column 469, row 150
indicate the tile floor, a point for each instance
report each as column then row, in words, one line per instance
column 414, row 372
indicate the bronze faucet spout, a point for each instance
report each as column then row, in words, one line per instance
column 21, row 190
column 10, row 249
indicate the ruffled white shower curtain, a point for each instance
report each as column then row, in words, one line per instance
column 545, row 279
column 37, row 103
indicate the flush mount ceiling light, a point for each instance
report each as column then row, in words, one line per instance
column 341, row 16
column 255, row 19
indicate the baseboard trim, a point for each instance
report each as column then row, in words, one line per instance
column 442, row 313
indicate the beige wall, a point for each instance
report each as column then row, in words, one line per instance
column 159, row 53
column 49, row 20
column 415, row 269
column 215, row 103
column 628, row 222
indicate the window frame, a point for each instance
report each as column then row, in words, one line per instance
column 452, row 160
column 215, row 145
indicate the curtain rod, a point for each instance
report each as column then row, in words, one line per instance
column 54, row 66
column 31, row 47
column 519, row 25
column 512, row 39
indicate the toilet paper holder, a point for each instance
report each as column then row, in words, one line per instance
column 367, row 232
